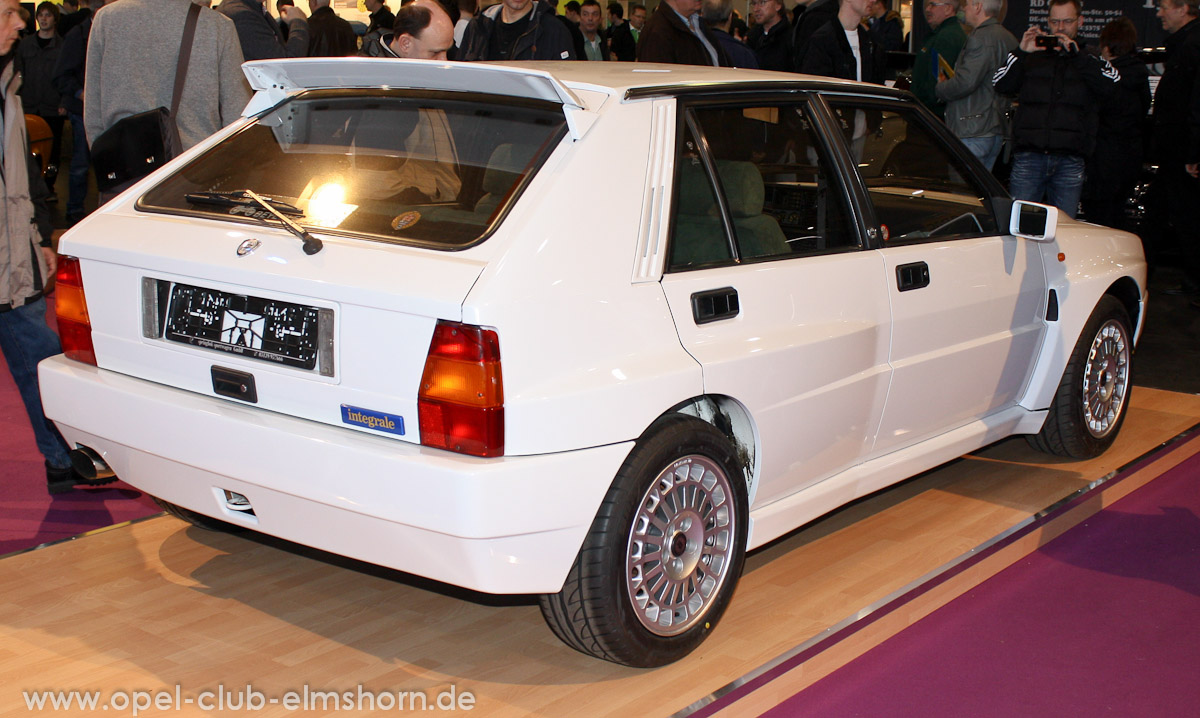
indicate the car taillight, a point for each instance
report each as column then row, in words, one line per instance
column 460, row 405
column 70, row 306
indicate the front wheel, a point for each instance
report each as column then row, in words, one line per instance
column 664, row 553
column 1093, row 396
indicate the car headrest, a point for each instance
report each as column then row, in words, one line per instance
column 507, row 161
column 744, row 189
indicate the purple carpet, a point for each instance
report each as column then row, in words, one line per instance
column 1104, row 620
column 28, row 515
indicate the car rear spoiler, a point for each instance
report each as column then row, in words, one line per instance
column 273, row 80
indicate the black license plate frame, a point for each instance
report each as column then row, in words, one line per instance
column 270, row 330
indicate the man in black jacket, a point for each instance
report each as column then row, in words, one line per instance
column 771, row 36
column 517, row 30
column 831, row 53
column 328, row 34
column 1059, row 90
column 382, row 18
column 1176, row 134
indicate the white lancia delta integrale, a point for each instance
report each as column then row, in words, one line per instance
column 584, row 330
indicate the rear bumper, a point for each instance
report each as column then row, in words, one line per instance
column 506, row 525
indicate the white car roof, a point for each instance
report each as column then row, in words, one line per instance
column 559, row 82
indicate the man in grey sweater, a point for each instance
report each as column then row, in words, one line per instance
column 973, row 112
column 131, row 59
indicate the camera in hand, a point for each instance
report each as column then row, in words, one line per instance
column 1046, row 41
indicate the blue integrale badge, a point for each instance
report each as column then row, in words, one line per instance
column 376, row 420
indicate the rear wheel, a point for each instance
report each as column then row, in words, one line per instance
column 1093, row 396
column 193, row 518
column 664, row 553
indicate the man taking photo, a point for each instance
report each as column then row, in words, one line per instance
column 1058, row 89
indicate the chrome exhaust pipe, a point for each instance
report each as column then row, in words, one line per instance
column 88, row 464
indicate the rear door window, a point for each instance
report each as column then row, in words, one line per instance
column 778, row 197
column 436, row 169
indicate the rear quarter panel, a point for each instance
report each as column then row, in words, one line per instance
column 589, row 357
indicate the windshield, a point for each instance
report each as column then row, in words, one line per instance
column 436, row 169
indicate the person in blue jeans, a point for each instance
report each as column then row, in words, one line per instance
column 1059, row 92
column 26, row 261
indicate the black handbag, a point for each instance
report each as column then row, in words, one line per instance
column 138, row 144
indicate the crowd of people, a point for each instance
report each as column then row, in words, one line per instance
column 1077, row 135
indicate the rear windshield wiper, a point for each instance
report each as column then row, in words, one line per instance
column 243, row 197
column 240, row 198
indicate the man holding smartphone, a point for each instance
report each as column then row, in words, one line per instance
column 1059, row 90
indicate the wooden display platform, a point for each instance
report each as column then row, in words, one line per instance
column 156, row 604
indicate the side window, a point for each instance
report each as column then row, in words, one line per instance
column 778, row 192
column 920, row 189
column 698, row 236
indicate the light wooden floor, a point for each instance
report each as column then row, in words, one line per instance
column 155, row 604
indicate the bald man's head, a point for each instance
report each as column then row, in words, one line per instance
column 423, row 31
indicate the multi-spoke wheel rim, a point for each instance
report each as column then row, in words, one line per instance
column 681, row 545
column 1106, row 379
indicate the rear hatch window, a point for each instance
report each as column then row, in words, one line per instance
column 424, row 168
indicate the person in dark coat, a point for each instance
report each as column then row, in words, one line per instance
column 282, row 15
column 887, row 25
column 382, row 22
column 937, row 55
column 328, row 34
column 570, row 20
column 260, row 36
column 382, row 18
column 517, row 30
column 37, row 55
column 830, row 53
column 71, row 18
column 771, row 36
column 675, row 34
column 816, row 14
column 1114, row 167
column 718, row 15
column 1176, row 132
column 68, row 80
column 625, row 36
column 595, row 44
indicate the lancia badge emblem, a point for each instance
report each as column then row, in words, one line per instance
column 247, row 246
column 406, row 220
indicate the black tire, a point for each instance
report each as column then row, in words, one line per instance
column 608, row 606
column 199, row 520
column 1100, row 369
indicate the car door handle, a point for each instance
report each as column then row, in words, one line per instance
column 912, row 276
column 714, row 305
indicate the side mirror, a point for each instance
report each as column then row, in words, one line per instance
column 1030, row 220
